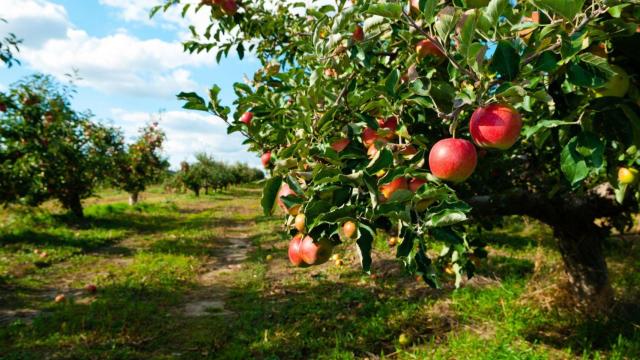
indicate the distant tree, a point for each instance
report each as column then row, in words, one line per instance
column 142, row 163
column 48, row 150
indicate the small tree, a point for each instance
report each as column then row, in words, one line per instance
column 142, row 164
column 50, row 151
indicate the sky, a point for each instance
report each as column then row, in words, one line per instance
column 130, row 68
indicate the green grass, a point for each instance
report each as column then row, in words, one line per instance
column 146, row 261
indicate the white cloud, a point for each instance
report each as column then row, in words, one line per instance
column 189, row 133
column 118, row 63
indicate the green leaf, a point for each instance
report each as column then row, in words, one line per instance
column 495, row 9
column 467, row 34
column 364, row 245
column 568, row 9
column 545, row 124
column 583, row 155
column 269, row 193
column 388, row 10
column 193, row 101
column 428, row 8
column 383, row 160
column 505, row 61
column 392, row 81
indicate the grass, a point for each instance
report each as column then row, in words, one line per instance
column 148, row 261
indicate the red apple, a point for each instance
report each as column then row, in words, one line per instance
column 388, row 189
column 408, row 150
column 315, row 253
column 391, row 124
column 426, row 48
column 246, row 118
column 370, row 136
column 91, row 288
column 372, row 151
column 358, row 34
column 495, row 126
column 340, row 145
column 60, row 298
column 294, row 250
column 229, row 7
column 285, row 190
column 453, row 159
column 3, row 107
column 415, row 183
column 349, row 229
column 266, row 159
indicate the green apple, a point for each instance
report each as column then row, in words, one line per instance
column 617, row 86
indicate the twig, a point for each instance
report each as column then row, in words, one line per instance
column 344, row 90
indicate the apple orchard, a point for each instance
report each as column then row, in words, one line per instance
column 422, row 120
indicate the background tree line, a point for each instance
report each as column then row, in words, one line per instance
column 207, row 174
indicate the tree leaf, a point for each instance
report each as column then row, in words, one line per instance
column 583, row 155
column 193, row 101
column 505, row 61
column 364, row 245
column 269, row 193
column 568, row 9
column 545, row 124
column 388, row 10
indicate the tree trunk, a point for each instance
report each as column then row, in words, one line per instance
column 197, row 191
column 74, row 205
column 133, row 198
column 586, row 267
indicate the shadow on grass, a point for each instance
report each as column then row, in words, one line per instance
column 620, row 331
column 504, row 267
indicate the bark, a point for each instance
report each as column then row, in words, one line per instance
column 579, row 239
column 73, row 204
column 133, row 198
column 585, row 265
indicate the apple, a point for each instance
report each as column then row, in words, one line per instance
column 404, row 339
column 370, row 137
column 339, row 263
column 294, row 251
column 393, row 241
column 59, row 298
column 330, row 72
column 617, row 85
column 426, row 48
column 335, row 257
column 266, row 159
column 299, row 223
column 414, row 7
column 229, row 7
column 495, row 126
column 390, row 124
column 627, row 176
column 349, row 229
column 599, row 50
column 415, row 183
column 246, row 118
column 388, row 189
column 526, row 33
column 91, row 288
column 268, row 257
column 453, row 159
column 372, row 151
column 408, row 151
column 285, row 190
column 43, row 254
column 358, row 34
column 315, row 253
column 3, row 107
column 340, row 145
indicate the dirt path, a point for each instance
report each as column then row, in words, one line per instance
column 209, row 299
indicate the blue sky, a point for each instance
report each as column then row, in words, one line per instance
column 130, row 67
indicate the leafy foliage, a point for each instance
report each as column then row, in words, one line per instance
column 48, row 150
column 323, row 82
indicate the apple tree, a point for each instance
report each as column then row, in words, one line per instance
column 48, row 150
column 141, row 163
column 422, row 118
